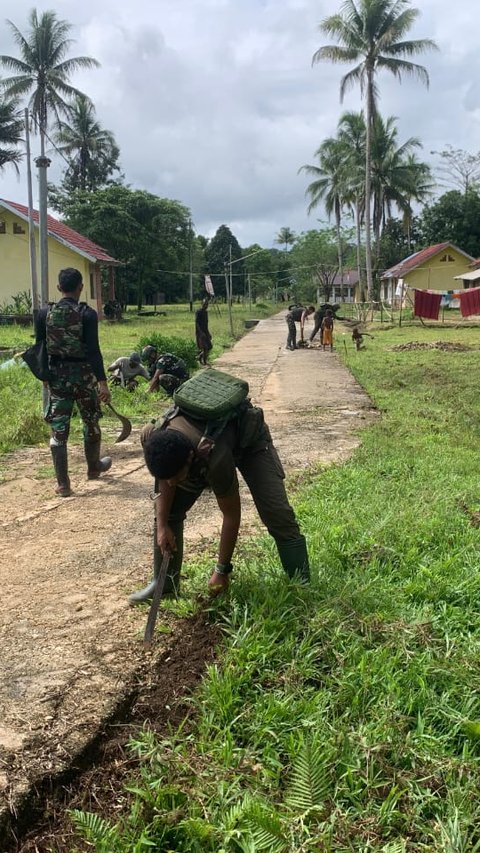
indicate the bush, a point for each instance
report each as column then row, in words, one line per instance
column 181, row 347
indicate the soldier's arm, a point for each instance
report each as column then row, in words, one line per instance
column 163, row 505
column 92, row 346
column 231, row 510
column 41, row 326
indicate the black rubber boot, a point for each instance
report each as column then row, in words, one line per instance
column 172, row 581
column 60, row 464
column 294, row 558
column 96, row 466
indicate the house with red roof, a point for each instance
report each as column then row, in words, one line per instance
column 66, row 248
column 433, row 268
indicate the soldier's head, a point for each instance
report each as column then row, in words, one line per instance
column 149, row 354
column 310, row 309
column 70, row 282
column 168, row 455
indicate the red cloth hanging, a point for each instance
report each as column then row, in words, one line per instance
column 427, row 304
column 470, row 301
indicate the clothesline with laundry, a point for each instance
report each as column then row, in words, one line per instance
column 427, row 303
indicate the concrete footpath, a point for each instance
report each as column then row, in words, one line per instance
column 71, row 645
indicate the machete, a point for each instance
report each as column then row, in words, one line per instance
column 126, row 424
column 152, row 615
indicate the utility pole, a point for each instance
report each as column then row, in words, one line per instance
column 249, row 293
column 190, row 291
column 42, row 164
column 229, row 294
column 31, row 226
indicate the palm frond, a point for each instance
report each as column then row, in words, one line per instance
column 266, row 830
column 96, row 831
column 310, row 784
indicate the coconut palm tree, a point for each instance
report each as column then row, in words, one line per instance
column 372, row 34
column 11, row 130
column 43, row 72
column 330, row 186
column 351, row 136
column 42, row 69
column 285, row 237
column 92, row 148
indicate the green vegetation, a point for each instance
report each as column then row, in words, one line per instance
column 20, row 393
column 344, row 717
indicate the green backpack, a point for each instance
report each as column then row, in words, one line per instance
column 211, row 395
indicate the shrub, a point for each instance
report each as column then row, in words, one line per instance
column 181, row 347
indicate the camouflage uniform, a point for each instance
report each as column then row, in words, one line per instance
column 174, row 372
column 70, row 330
column 72, row 380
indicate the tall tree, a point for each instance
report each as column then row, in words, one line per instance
column 222, row 248
column 285, row 237
column 330, row 186
column 372, row 34
column 93, row 150
column 11, row 130
column 150, row 235
column 458, row 168
column 42, row 69
column 454, row 216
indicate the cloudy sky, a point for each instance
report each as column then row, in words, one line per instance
column 215, row 102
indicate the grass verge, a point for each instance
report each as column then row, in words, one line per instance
column 20, row 393
column 344, row 717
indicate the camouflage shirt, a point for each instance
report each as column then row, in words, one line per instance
column 92, row 355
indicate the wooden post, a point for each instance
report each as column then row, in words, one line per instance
column 111, row 283
column 98, row 291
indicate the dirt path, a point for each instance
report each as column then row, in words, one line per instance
column 71, row 649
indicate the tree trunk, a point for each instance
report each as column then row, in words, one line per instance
column 338, row 224
column 359, row 254
column 368, row 182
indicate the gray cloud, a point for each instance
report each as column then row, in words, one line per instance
column 215, row 102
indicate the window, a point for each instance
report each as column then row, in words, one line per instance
column 447, row 259
column 18, row 229
column 92, row 287
column 3, row 226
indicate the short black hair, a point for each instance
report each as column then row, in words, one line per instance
column 166, row 452
column 69, row 279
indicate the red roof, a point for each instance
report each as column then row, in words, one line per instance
column 65, row 235
column 419, row 258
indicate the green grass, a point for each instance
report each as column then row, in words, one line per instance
column 344, row 717
column 20, row 393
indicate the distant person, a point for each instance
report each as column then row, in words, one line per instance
column 202, row 334
column 327, row 329
column 126, row 368
column 77, row 376
column 296, row 315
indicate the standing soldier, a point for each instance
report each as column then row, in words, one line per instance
column 202, row 334
column 70, row 329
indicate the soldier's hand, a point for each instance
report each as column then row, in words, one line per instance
column 166, row 539
column 104, row 392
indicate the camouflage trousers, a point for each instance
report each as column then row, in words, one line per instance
column 72, row 383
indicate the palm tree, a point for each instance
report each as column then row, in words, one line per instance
column 11, row 130
column 285, row 237
column 330, row 186
column 43, row 72
column 93, row 148
column 42, row 68
column 351, row 136
column 372, row 34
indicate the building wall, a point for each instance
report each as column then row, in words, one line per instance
column 438, row 274
column 15, row 261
